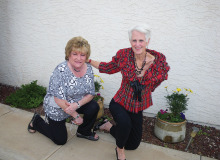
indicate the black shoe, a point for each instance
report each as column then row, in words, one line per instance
column 100, row 123
column 32, row 120
column 91, row 137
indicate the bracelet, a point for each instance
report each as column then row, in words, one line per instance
column 77, row 116
column 90, row 60
column 78, row 105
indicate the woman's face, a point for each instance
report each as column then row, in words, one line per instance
column 77, row 59
column 138, row 42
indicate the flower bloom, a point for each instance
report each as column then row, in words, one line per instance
column 101, row 80
column 98, row 94
column 182, row 115
column 162, row 111
column 178, row 89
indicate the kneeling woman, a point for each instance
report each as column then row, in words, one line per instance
column 70, row 93
column 142, row 71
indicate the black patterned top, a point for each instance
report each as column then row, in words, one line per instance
column 65, row 85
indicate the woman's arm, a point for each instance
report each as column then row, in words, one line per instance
column 160, row 73
column 74, row 106
column 94, row 63
column 87, row 98
column 108, row 67
column 62, row 103
column 65, row 105
column 70, row 108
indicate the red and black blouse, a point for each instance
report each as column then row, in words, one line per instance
column 124, row 61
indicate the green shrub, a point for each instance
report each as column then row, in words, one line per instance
column 28, row 96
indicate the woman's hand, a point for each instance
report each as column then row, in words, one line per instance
column 78, row 121
column 62, row 103
column 94, row 63
column 72, row 107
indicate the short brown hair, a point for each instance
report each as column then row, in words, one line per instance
column 77, row 44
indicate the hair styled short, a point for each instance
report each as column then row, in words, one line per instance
column 141, row 28
column 77, row 44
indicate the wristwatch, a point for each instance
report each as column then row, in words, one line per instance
column 78, row 105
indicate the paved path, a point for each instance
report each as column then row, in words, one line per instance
column 16, row 143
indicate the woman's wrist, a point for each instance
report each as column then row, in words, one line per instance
column 74, row 106
column 78, row 105
column 74, row 114
column 77, row 116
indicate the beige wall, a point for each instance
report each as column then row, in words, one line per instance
column 33, row 35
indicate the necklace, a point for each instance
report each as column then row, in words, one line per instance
column 139, row 70
column 76, row 70
column 72, row 68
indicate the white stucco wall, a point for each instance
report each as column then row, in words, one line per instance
column 33, row 35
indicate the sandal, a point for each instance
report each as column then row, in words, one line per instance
column 101, row 122
column 91, row 137
column 32, row 120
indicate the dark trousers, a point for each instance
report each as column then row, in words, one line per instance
column 128, row 128
column 56, row 130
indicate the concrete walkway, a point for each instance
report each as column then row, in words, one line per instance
column 16, row 143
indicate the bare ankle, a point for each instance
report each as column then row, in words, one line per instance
column 107, row 126
column 121, row 153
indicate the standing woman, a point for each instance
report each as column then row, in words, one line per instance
column 142, row 71
column 71, row 91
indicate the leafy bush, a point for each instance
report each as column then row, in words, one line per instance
column 177, row 102
column 28, row 96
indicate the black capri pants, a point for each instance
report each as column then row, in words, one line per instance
column 128, row 129
column 56, row 130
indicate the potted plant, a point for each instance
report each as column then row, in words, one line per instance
column 98, row 98
column 170, row 125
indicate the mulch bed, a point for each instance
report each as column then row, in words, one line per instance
column 206, row 143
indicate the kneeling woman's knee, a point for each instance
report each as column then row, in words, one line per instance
column 60, row 141
column 133, row 146
column 95, row 107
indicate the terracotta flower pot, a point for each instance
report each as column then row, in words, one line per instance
column 170, row 132
column 101, row 106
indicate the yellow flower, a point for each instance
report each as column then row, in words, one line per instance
column 177, row 101
column 101, row 80
column 97, row 81
column 178, row 89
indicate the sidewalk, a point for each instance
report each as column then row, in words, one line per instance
column 16, row 143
